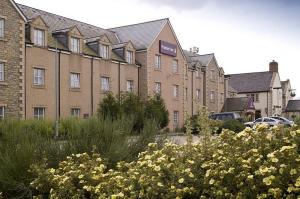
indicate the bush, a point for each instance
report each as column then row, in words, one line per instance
column 261, row 163
column 23, row 143
column 156, row 109
column 233, row 125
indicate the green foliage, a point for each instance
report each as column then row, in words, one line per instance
column 297, row 120
column 131, row 105
column 23, row 143
column 156, row 109
column 233, row 125
column 260, row 163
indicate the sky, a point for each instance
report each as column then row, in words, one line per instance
column 245, row 35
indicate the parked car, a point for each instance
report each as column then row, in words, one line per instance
column 284, row 121
column 225, row 116
column 264, row 120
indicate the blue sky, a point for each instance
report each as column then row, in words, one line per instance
column 245, row 35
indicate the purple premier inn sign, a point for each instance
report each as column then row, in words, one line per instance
column 167, row 48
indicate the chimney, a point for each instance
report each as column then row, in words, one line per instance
column 194, row 50
column 273, row 67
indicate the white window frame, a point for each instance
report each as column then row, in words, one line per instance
column 40, row 114
column 175, row 66
column 212, row 75
column 38, row 76
column 75, row 45
column 75, row 80
column 176, row 118
column 198, row 94
column 175, row 91
column 129, row 56
column 105, row 87
column 2, row 71
column 39, row 37
column 104, row 51
column 212, row 96
column 130, row 86
column 75, row 112
column 158, row 87
column 157, row 62
column 2, row 112
column 2, row 27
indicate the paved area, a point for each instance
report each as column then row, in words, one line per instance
column 180, row 138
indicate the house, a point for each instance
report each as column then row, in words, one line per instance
column 292, row 109
column 287, row 93
column 263, row 87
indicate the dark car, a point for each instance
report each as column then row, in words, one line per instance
column 225, row 116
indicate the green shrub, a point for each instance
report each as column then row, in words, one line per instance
column 156, row 109
column 261, row 163
column 233, row 125
column 109, row 107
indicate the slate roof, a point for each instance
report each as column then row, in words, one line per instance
column 235, row 104
column 141, row 35
column 203, row 59
column 57, row 22
column 293, row 106
column 251, row 82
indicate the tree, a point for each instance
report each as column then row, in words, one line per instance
column 109, row 107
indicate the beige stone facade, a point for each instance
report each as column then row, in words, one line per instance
column 56, row 70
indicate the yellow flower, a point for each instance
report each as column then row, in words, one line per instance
column 297, row 184
column 268, row 180
column 250, row 177
column 293, row 172
column 274, row 160
column 181, row 180
column 157, row 168
column 190, row 161
column 212, row 181
column 191, row 175
column 160, row 184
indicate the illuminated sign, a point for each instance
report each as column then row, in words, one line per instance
column 167, row 48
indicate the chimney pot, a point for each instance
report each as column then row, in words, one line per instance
column 273, row 67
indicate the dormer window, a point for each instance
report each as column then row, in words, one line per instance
column 39, row 37
column 129, row 57
column 75, row 45
column 1, row 27
column 104, row 51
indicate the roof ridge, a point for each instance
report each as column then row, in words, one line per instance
column 18, row 4
column 250, row 73
column 138, row 23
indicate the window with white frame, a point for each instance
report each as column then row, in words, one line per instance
column 38, row 76
column 2, row 112
column 105, row 84
column 75, row 80
column 212, row 74
column 175, row 91
column 157, row 87
column 222, row 97
column 104, row 51
column 254, row 97
column 75, row 112
column 39, row 37
column 75, row 45
column 129, row 57
column 212, row 96
column 157, row 63
column 176, row 118
column 130, row 85
column 39, row 112
column 1, row 71
column 175, row 66
column 198, row 94
column 1, row 27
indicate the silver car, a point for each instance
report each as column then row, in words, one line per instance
column 264, row 120
column 284, row 121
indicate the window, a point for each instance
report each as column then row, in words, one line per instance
column 198, row 94
column 39, row 113
column 105, row 84
column 1, row 27
column 197, row 73
column 175, row 66
column 254, row 97
column 157, row 87
column 186, row 93
column 212, row 75
column 175, row 91
column 104, row 51
column 1, row 71
column 129, row 57
column 1, row 112
column 157, row 61
column 75, row 46
column 39, row 37
column 75, row 112
column 38, row 76
column 222, row 97
column 176, row 118
column 75, row 80
column 212, row 96
column 130, row 85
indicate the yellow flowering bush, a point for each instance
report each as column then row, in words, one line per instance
column 260, row 163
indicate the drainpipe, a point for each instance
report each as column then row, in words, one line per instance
column 138, row 82
column 56, row 89
column 25, row 85
column 192, row 92
column 119, row 80
column 92, row 86
column 59, row 105
column 204, row 87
